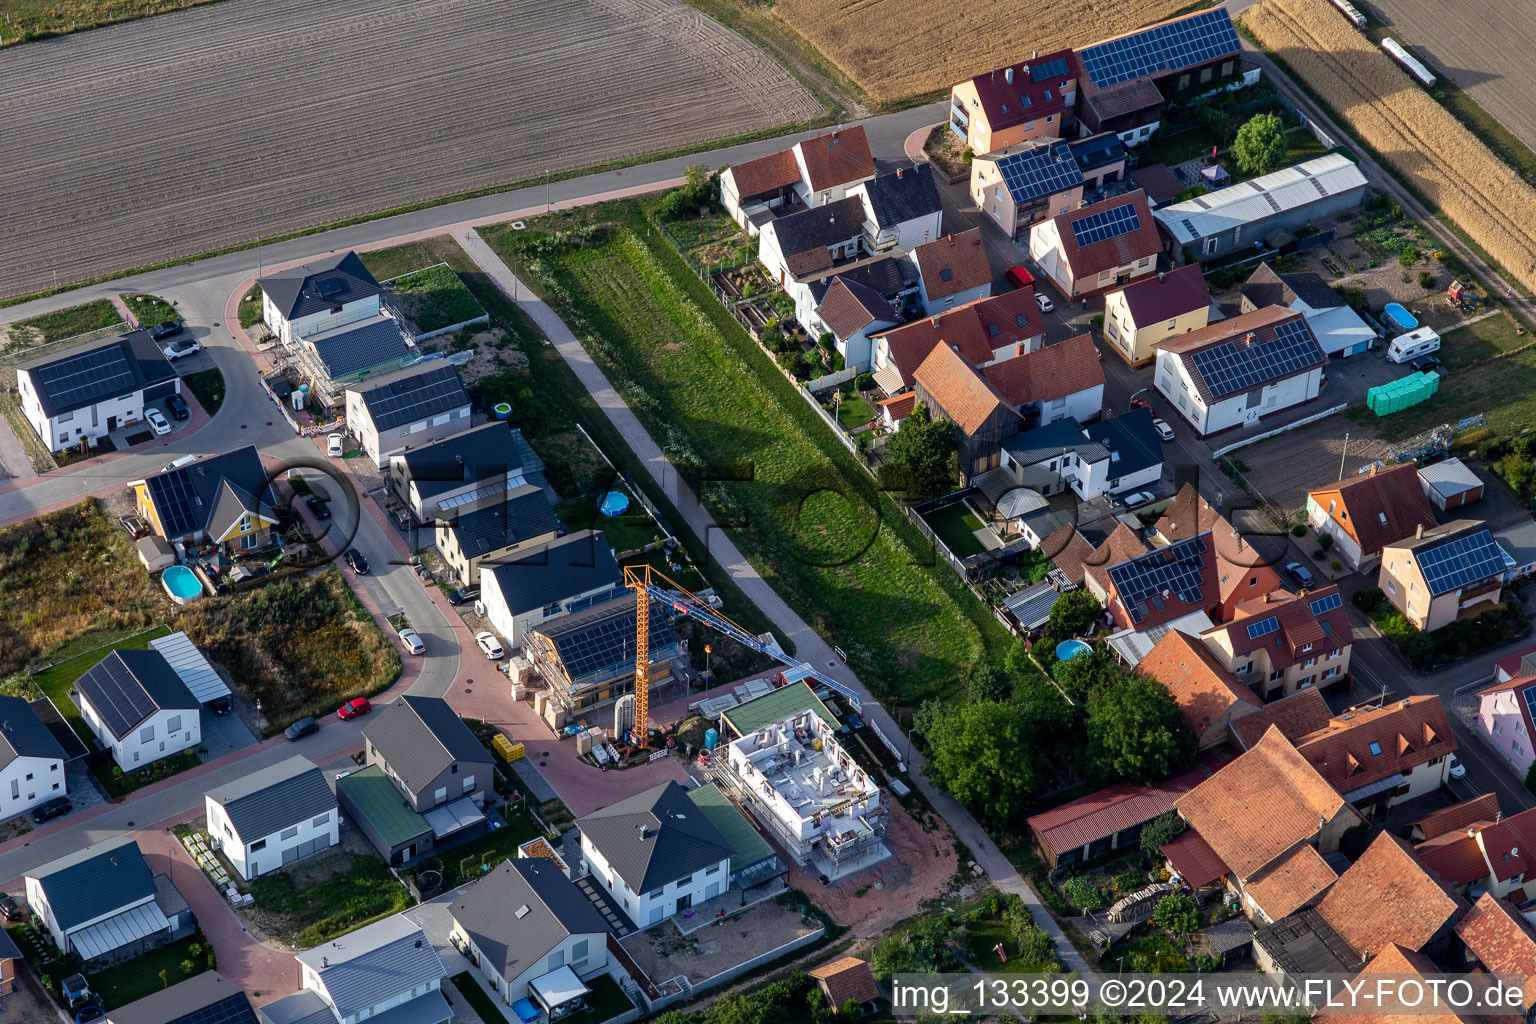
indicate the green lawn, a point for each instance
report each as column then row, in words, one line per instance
column 39, row 19
column 141, row 976
column 808, row 516
column 479, row 855
column 1481, row 340
column 686, row 577
column 402, row 259
column 250, row 307
column 150, row 309
column 364, row 891
column 476, row 997
column 953, row 524
column 207, row 386
column 606, row 1001
column 853, row 413
column 66, row 323
column 434, row 298
column 628, row 532
column 55, row 682
column 1500, row 390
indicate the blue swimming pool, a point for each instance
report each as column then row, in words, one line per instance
column 615, row 503
column 1069, row 649
column 182, row 584
column 1404, row 320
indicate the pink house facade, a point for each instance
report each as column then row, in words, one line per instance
column 1504, row 716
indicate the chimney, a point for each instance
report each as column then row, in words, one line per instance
column 1034, row 54
column 898, row 173
column 1418, row 533
column 950, row 239
column 1008, row 75
column 1162, row 275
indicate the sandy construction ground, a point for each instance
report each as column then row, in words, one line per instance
column 217, row 125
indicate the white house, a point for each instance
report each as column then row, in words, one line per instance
column 526, row 921
column 1235, row 372
column 103, row 903
column 809, row 243
column 656, row 854
column 814, row 172
column 566, row 575
column 136, row 706
column 902, row 210
column 407, row 409
column 273, row 817
column 91, row 390
column 1108, row 457
column 1097, row 247
column 952, row 271
column 831, row 165
column 852, row 312
column 437, row 479
column 388, row 967
column 319, row 296
column 31, row 760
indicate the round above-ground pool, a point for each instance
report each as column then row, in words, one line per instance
column 1069, row 649
column 615, row 503
column 182, row 584
column 502, row 410
column 1400, row 316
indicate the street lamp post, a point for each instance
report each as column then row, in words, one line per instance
column 1132, row 403
column 546, row 190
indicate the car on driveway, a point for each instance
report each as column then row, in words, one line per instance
column 488, row 643
column 1425, row 364
column 401, row 517
column 458, row 595
column 50, row 809
column 168, row 329
column 1164, row 431
column 319, row 509
column 1300, row 573
column 177, row 407
column 356, row 561
column 412, row 640
column 177, row 349
column 157, row 421
column 1044, row 302
column 9, row 908
column 303, row 727
column 1139, row 499
column 1455, row 769
column 355, row 707
column 1020, row 277
column 1140, row 403
column 333, row 446
column 133, row 526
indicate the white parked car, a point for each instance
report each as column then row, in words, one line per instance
column 1139, row 499
column 157, row 421
column 333, row 446
column 1164, row 431
column 1044, row 302
column 488, row 643
column 412, row 641
column 1456, row 769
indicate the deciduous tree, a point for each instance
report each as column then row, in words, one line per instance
column 1136, row 732
column 1260, row 144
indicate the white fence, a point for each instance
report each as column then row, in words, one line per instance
column 832, row 380
column 1304, row 421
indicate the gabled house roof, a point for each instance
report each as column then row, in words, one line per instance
column 1502, row 940
column 419, row 737
column 1167, row 295
column 1233, row 357
column 952, row 264
column 907, row 193
column 273, row 798
column 332, row 281
column 655, row 837
column 519, row 912
column 1159, row 50
column 957, row 391
column 23, row 734
column 1388, row 897
column 1296, row 715
column 1054, row 371
column 207, row 998
column 1264, row 287
column 127, row 687
column 96, row 881
column 602, row 637
column 1095, row 151
column 1409, row 964
column 550, row 572
column 804, row 237
column 1204, row 690
column 508, row 519
column 1069, row 550
column 1461, row 553
column 1165, row 583
column 1507, row 842
column 1456, row 858
column 1026, row 91
column 1283, row 624
column 1378, row 506
column 886, row 276
column 1457, row 817
column 849, row 307
column 79, row 377
column 1109, row 233
column 765, row 174
column 380, row 960
column 1291, row 882
column 1122, row 545
column 1111, row 101
column 415, row 393
column 1047, row 442
column 1158, row 182
column 354, row 347
column 836, row 158
column 482, row 453
column 1260, row 805
column 848, row 978
column 976, row 329
column 1111, row 810
column 1365, row 745
column 211, row 495
column 1035, row 169
column 1193, row 859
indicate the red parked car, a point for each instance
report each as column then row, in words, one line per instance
column 353, row 708
column 1019, row 277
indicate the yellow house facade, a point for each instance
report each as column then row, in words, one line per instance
column 221, row 499
column 1155, row 309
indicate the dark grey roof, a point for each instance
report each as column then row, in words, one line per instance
column 603, row 636
column 903, row 195
column 82, row 376
column 1048, row 442
column 1097, row 151
column 415, row 393
column 511, row 517
column 1264, row 287
column 303, row 1007
column 480, row 454
column 547, row 573
column 333, row 281
column 419, row 737
column 23, row 734
column 889, row 276
column 275, row 797
column 8, row 948
column 1304, row 943
column 96, row 881
column 819, row 226
column 212, row 493
column 655, row 837
column 521, row 911
column 207, row 998
column 169, row 898
column 371, row 342
column 374, row 963
column 126, row 687
column 1132, row 438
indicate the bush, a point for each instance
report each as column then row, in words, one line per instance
column 1160, row 831
column 1426, row 280
column 1299, row 530
column 1325, row 541
column 864, row 382
column 1098, row 321
column 1082, row 894
column 1177, row 913
column 1370, row 599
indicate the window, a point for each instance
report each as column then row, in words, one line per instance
column 557, row 960
column 1245, row 667
column 1184, row 81
column 135, row 755
column 173, row 724
column 260, row 844
column 453, row 769
column 1309, row 663
column 1226, row 68
column 1498, row 727
column 654, row 895
column 146, row 734
column 1375, row 749
column 1305, row 682
column 246, row 522
column 53, row 767
column 1330, row 673
column 1205, row 75
column 469, row 783
column 1391, row 587
column 1277, row 674
column 712, row 870
column 29, row 776
column 440, row 796
column 1305, row 648
column 579, row 950
column 291, row 833
column 15, row 790
column 322, row 819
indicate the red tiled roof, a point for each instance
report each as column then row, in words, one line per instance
column 968, row 327
column 1194, row 859
column 1121, row 98
column 1088, row 260
column 849, row 307
column 1055, row 371
column 1455, row 856
column 836, row 158
column 1369, row 744
column 951, row 264
column 765, row 174
column 1248, row 331
column 1299, row 626
column 1291, row 882
column 1158, row 182
column 1121, row 545
column 1379, row 506
column 899, row 406
column 1170, row 604
column 845, row 979
column 1457, row 817
column 1503, row 940
column 1186, row 516
column 1387, row 896
column 1302, row 712
column 1003, row 102
column 1110, row 810
column 1508, row 844
column 1205, row 691
column 1395, row 960
column 1261, row 805
column 1166, row 296
column 1068, row 550
column 957, row 392
column 1510, row 666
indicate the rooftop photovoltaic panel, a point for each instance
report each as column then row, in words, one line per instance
column 122, row 702
column 1040, row 172
column 90, row 375
column 1326, row 604
column 1229, row 369
column 233, row 1009
column 1106, row 224
column 176, row 500
column 1050, row 69
column 1461, row 562
column 1263, row 628
column 1177, row 569
column 330, row 286
column 1530, row 700
column 1319, row 186
column 610, row 642
column 415, row 398
column 1161, row 49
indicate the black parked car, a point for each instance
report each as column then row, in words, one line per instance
column 55, row 808
column 318, row 508
column 458, row 595
column 356, row 561
column 1299, row 573
column 303, row 727
column 9, row 909
column 1425, row 364
column 169, row 329
column 177, row 407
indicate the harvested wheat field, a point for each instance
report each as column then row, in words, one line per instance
column 1418, row 137
column 896, row 49
column 217, row 125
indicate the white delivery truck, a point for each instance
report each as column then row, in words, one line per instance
column 1406, row 347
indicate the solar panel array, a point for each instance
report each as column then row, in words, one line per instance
column 1530, row 700
column 1050, row 69
column 1461, row 562
column 1179, row 569
column 417, row 398
column 1161, row 49
column 1106, row 224
column 1263, row 628
column 234, row 1009
column 176, row 502
column 1229, row 369
column 609, row 642
column 91, row 375
column 1326, row 604
column 116, row 694
column 1039, row 172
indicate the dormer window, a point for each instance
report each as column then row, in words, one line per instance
column 944, row 274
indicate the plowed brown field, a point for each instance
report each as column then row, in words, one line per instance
column 896, row 49
column 217, row 125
